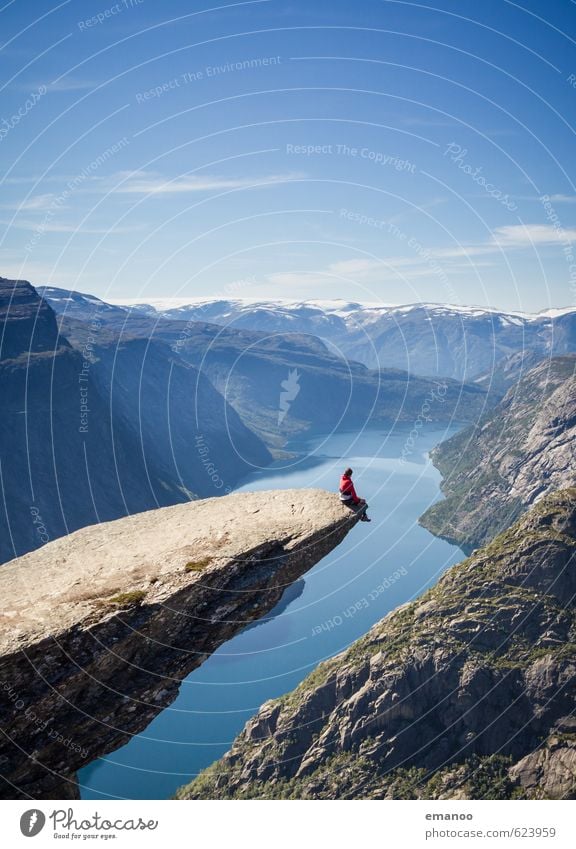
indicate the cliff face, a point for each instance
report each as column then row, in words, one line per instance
column 95, row 432
column 521, row 450
column 467, row 692
column 99, row 628
column 28, row 323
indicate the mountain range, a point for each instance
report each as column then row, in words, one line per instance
column 249, row 367
column 440, row 340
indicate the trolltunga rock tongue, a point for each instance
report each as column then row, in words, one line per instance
column 99, row 628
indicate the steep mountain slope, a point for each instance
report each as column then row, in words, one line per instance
column 506, row 373
column 182, row 426
column 521, row 450
column 467, row 692
column 86, row 439
column 426, row 339
column 80, row 306
column 323, row 392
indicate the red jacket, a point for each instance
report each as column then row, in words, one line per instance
column 347, row 488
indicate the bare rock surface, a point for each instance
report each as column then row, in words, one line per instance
column 98, row 628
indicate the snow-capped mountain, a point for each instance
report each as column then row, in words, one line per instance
column 445, row 340
column 185, row 307
column 448, row 340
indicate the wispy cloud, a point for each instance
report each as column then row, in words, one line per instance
column 365, row 270
column 142, row 182
column 527, row 235
column 38, row 203
column 354, row 266
column 555, row 198
column 48, row 178
column 152, row 183
column 73, row 227
column 563, row 198
column 451, row 260
column 511, row 237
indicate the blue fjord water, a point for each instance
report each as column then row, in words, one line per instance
column 377, row 567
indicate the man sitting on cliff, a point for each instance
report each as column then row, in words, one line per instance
column 349, row 498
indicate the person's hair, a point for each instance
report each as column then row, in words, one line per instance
column 347, row 472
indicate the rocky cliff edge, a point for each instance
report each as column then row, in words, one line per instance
column 98, row 628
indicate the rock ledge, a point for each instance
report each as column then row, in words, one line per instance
column 99, row 628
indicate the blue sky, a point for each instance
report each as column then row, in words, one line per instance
column 382, row 151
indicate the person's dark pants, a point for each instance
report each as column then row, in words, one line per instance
column 356, row 508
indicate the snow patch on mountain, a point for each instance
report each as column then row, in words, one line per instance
column 334, row 306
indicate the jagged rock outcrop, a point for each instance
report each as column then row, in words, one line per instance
column 467, row 692
column 98, row 628
column 518, row 452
